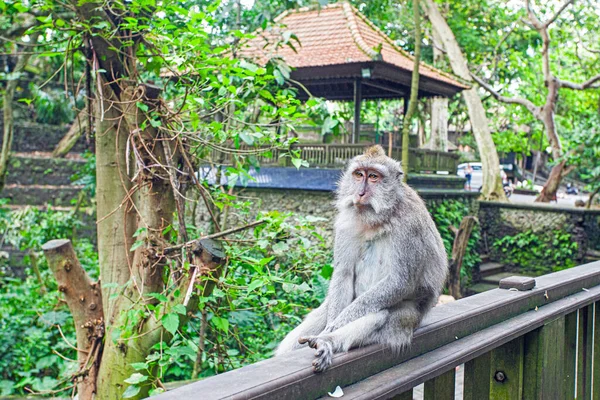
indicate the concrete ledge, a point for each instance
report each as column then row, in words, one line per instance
column 544, row 207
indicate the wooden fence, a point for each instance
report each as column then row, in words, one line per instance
column 336, row 155
column 515, row 344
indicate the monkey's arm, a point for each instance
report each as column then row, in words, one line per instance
column 386, row 293
column 340, row 293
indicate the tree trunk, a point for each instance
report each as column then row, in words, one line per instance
column 439, row 105
column 492, row 182
column 84, row 299
column 414, row 90
column 439, row 124
column 79, row 126
column 459, row 249
column 7, row 98
column 548, row 193
column 591, row 198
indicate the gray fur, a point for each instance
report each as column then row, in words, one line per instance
column 389, row 265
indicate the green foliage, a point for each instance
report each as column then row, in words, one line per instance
column 53, row 107
column 538, row 253
column 274, row 277
column 34, row 354
column 449, row 213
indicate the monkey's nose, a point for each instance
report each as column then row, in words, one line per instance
column 361, row 193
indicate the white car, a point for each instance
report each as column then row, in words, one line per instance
column 476, row 176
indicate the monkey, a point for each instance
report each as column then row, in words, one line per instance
column 389, row 264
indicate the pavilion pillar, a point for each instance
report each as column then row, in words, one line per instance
column 357, row 104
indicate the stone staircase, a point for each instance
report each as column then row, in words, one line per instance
column 490, row 275
column 35, row 178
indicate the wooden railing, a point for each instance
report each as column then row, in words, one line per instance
column 336, row 155
column 514, row 343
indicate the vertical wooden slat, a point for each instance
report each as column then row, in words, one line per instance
column 570, row 347
column 543, row 372
column 477, row 378
column 441, row 387
column 596, row 360
column 408, row 395
column 584, row 353
column 506, row 378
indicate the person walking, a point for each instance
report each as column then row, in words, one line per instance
column 468, row 175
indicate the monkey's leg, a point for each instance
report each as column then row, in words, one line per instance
column 398, row 331
column 313, row 324
column 357, row 333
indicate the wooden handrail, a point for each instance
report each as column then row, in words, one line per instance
column 495, row 323
column 335, row 156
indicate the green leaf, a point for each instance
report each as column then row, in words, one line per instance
column 142, row 106
column 221, row 324
column 131, row 391
column 139, row 366
column 170, row 322
column 136, row 244
column 180, row 309
column 136, row 378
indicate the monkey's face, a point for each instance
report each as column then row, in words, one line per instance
column 366, row 181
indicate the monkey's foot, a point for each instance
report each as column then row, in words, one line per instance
column 324, row 353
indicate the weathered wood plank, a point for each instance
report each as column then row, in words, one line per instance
column 506, row 380
column 570, row 347
column 408, row 395
column 584, row 353
column 543, row 374
column 441, row 387
column 477, row 378
column 291, row 376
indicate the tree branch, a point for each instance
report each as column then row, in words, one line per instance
column 535, row 110
column 557, row 14
column 580, row 86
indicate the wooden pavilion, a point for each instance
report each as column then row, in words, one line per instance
column 344, row 56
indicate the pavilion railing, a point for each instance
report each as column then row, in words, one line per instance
column 514, row 343
column 336, row 155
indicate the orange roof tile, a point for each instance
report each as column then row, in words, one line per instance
column 332, row 35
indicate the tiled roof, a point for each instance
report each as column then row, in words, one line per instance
column 333, row 35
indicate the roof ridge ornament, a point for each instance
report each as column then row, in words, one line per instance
column 350, row 15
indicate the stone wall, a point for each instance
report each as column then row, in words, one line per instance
column 508, row 219
column 304, row 203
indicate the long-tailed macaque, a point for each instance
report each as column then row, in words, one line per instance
column 389, row 264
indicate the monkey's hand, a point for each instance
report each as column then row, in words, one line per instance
column 324, row 354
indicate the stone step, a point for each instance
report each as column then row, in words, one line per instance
column 490, row 268
column 31, row 136
column 480, row 288
column 58, row 195
column 40, row 169
column 496, row 278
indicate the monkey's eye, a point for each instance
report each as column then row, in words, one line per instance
column 373, row 177
column 357, row 174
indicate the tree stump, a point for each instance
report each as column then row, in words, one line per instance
column 84, row 299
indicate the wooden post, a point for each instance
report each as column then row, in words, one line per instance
column 506, row 373
column 84, row 299
column 357, row 104
column 477, row 378
column 441, row 387
column 584, row 354
column 570, row 346
column 543, row 373
column 596, row 372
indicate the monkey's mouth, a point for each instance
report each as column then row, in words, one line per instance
column 361, row 202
